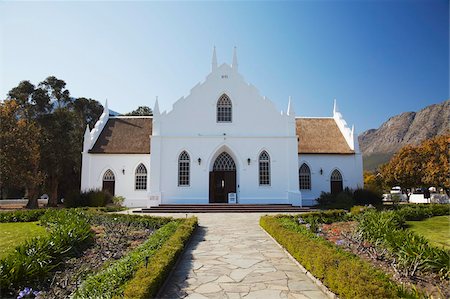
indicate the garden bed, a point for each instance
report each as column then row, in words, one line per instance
column 88, row 253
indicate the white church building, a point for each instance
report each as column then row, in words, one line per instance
column 222, row 143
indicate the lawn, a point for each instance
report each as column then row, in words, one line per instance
column 435, row 229
column 12, row 234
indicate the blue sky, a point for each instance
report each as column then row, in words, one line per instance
column 378, row 58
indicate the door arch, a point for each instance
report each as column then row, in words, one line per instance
column 222, row 178
column 336, row 182
column 109, row 182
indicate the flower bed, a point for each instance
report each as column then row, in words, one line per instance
column 323, row 242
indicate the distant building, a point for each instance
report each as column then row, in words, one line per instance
column 223, row 138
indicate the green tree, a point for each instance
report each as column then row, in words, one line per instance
column 141, row 111
column 19, row 150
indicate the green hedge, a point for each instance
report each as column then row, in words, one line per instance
column 149, row 279
column 153, row 222
column 343, row 273
column 33, row 260
column 21, row 216
column 110, row 281
column 422, row 211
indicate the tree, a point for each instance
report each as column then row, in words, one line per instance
column 436, row 163
column 373, row 181
column 141, row 111
column 19, row 150
column 404, row 169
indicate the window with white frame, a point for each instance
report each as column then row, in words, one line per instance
column 141, row 177
column 183, row 169
column 264, row 169
column 224, row 109
column 304, row 175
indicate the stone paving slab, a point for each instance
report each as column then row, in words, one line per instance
column 230, row 256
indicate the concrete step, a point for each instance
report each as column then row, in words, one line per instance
column 222, row 208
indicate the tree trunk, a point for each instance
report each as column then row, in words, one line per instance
column 32, row 198
column 53, row 198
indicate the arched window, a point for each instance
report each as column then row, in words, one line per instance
column 336, row 182
column 109, row 182
column 141, row 177
column 304, row 175
column 183, row 169
column 224, row 109
column 264, row 169
column 224, row 162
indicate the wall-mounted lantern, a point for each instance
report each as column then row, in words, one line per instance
column 321, row 171
column 123, row 171
column 199, row 160
column 248, row 161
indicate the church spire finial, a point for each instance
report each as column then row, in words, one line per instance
column 156, row 108
column 234, row 65
column 214, row 60
column 105, row 107
column 290, row 107
column 334, row 107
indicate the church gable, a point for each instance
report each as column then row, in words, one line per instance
column 124, row 135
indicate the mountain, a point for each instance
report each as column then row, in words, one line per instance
column 378, row 145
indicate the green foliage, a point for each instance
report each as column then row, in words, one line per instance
column 118, row 200
column 21, row 215
column 12, row 234
column 110, row 281
column 32, row 261
column 343, row 273
column 90, row 198
column 435, row 229
column 423, row 211
column 343, row 200
column 367, row 197
column 149, row 278
column 358, row 210
column 99, row 218
column 141, row 111
column 411, row 251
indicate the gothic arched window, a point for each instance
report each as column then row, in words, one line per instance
column 183, row 169
column 224, row 109
column 224, row 162
column 109, row 182
column 141, row 177
column 304, row 175
column 264, row 169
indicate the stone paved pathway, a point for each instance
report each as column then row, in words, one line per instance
column 230, row 256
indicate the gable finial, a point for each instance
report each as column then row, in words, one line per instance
column 214, row 60
column 156, row 108
column 105, row 107
column 290, row 107
column 334, row 107
column 234, row 65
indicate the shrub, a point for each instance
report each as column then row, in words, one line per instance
column 110, row 281
column 99, row 218
column 149, row 278
column 118, row 200
column 358, row 210
column 21, row 216
column 33, row 260
column 345, row 274
column 367, row 197
column 91, row 198
column 342, row 200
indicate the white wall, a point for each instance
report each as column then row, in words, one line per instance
column 95, row 165
column 350, row 167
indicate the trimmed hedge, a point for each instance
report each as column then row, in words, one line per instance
column 110, row 282
column 33, row 260
column 149, row 278
column 343, row 273
column 21, row 216
column 153, row 222
column 423, row 211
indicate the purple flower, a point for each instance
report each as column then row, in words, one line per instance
column 340, row 242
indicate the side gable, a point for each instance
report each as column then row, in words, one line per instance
column 124, row 135
column 320, row 136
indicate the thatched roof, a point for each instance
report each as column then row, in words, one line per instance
column 320, row 136
column 124, row 136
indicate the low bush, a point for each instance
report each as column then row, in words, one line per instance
column 99, row 218
column 150, row 277
column 367, row 197
column 91, row 198
column 358, row 210
column 32, row 261
column 342, row 200
column 420, row 212
column 343, row 273
column 22, row 215
column 110, row 281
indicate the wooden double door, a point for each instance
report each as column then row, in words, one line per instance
column 220, row 184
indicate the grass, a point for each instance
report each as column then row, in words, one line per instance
column 435, row 229
column 13, row 234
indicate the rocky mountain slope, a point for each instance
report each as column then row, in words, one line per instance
column 378, row 145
